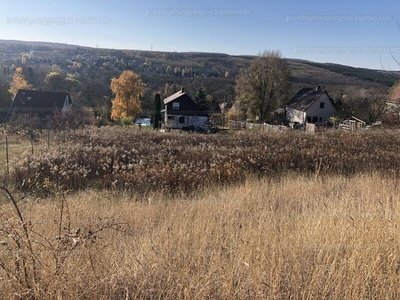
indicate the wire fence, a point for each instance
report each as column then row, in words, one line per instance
column 254, row 126
column 14, row 145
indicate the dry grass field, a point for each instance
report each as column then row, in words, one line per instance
column 295, row 237
column 287, row 235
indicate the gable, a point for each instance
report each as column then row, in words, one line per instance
column 181, row 104
column 322, row 102
column 305, row 97
column 312, row 105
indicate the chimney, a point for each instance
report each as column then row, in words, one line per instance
column 317, row 88
column 182, row 89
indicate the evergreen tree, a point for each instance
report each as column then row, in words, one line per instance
column 174, row 88
column 157, row 117
column 201, row 99
column 5, row 101
column 30, row 76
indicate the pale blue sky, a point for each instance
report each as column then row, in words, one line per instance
column 357, row 33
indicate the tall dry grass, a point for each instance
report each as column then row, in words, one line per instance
column 147, row 161
column 290, row 237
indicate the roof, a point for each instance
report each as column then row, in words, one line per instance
column 187, row 106
column 305, row 97
column 394, row 96
column 174, row 96
column 42, row 103
column 358, row 120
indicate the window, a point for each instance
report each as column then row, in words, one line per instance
column 175, row 105
column 308, row 119
column 320, row 119
column 181, row 120
column 314, row 119
column 322, row 105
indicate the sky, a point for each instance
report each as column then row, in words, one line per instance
column 355, row 33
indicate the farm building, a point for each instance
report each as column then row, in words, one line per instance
column 39, row 103
column 181, row 112
column 352, row 124
column 310, row 105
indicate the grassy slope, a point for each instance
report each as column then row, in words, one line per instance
column 20, row 144
column 287, row 236
column 294, row 237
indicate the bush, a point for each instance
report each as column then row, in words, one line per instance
column 126, row 121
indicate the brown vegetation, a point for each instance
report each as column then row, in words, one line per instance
column 293, row 237
column 157, row 216
column 146, row 161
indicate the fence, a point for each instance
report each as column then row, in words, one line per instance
column 13, row 145
column 309, row 127
column 255, row 126
column 352, row 124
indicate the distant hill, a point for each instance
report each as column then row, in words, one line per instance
column 303, row 71
column 387, row 78
column 38, row 44
column 216, row 72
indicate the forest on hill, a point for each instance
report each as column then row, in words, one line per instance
column 86, row 73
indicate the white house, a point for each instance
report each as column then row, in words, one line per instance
column 181, row 112
column 310, row 105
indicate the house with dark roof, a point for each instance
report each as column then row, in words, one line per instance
column 181, row 112
column 394, row 96
column 39, row 103
column 310, row 105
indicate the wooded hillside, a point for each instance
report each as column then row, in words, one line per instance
column 86, row 73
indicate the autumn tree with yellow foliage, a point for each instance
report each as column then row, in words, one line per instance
column 128, row 88
column 18, row 82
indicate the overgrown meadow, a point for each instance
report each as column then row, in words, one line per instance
column 122, row 213
column 144, row 162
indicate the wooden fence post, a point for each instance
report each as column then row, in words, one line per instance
column 32, row 137
column 7, row 166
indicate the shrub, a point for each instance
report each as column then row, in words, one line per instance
column 36, row 255
column 126, row 121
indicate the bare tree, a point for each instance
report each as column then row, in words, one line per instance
column 369, row 105
column 264, row 85
column 375, row 103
